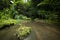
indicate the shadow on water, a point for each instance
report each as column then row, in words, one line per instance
column 6, row 26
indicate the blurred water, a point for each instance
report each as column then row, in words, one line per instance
column 32, row 36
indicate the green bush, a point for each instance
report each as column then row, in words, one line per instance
column 22, row 17
column 22, row 32
column 7, row 22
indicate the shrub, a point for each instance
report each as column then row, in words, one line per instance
column 23, row 32
column 7, row 22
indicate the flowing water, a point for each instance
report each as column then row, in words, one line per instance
column 40, row 31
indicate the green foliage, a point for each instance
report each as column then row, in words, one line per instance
column 50, row 5
column 52, row 8
column 42, row 9
column 4, row 4
column 7, row 22
column 22, row 32
column 47, row 14
column 5, row 14
column 22, row 17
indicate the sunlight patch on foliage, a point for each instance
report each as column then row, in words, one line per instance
column 22, row 32
column 7, row 22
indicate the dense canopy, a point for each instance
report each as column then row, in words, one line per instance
column 41, row 9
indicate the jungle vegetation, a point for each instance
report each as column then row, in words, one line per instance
column 11, row 10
